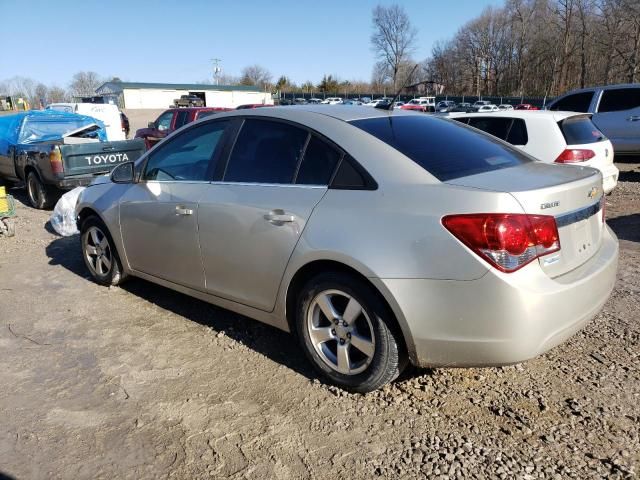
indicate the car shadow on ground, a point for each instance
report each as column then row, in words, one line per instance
column 279, row 346
column 626, row 227
column 275, row 344
column 629, row 176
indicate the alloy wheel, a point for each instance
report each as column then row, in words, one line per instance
column 341, row 332
column 98, row 251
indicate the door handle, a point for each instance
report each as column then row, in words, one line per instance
column 278, row 217
column 183, row 211
column 633, row 118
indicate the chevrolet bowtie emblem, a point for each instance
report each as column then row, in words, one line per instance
column 593, row 192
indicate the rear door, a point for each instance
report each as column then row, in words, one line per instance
column 575, row 102
column 159, row 214
column 618, row 116
column 250, row 221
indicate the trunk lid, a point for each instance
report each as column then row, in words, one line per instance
column 570, row 193
column 100, row 157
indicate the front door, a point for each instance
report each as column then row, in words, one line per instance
column 251, row 221
column 618, row 115
column 159, row 214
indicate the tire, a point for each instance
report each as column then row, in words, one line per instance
column 40, row 196
column 99, row 253
column 365, row 330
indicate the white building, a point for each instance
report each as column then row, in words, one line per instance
column 136, row 95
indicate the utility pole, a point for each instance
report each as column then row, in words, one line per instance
column 217, row 69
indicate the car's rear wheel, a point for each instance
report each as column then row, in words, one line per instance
column 40, row 196
column 99, row 253
column 348, row 333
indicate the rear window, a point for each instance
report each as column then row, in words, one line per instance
column 445, row 149
column 580, row 130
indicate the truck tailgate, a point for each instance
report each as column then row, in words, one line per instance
column 99, row 157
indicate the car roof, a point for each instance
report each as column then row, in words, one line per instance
column 601, row 87
column 524, row 114
column 339, row 112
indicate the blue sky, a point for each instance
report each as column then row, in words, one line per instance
column 173, row 41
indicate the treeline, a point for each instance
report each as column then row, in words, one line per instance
column 541, row 47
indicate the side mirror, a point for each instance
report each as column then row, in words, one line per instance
column 151, row 125
column 123, row 173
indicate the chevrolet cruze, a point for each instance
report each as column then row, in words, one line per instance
column 377, row 238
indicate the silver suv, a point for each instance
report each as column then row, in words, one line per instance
column 616, row 112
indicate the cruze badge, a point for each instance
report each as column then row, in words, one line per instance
column 544, row 206
column 593, row 192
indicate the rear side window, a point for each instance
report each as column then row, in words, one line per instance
column 619, row 99
column 580, row 130
column 577, row 102
column 265, row 152
column 497, row 126
column 349, row 177
column 318, row 164
column 445, row 149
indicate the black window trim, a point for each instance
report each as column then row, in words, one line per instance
column 217, row 153
column 370, row 183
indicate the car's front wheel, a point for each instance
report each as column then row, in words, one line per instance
column 99, row 253
column 348, row 333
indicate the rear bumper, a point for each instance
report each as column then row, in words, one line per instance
column 70, row 183
column 609, row 178
column 501, row 319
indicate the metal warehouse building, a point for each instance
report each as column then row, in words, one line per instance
column 161, row 95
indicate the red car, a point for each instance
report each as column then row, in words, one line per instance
column 171, row 120
column 525, row 106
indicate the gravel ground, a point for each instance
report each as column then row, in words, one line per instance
column 142, row 382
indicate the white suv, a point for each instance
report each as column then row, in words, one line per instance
column 560, row 137
column 332, row 101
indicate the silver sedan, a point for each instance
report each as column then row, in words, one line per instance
column 378, row 238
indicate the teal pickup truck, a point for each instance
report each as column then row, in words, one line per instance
column 51, row 151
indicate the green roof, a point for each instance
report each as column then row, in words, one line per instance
column 118, row 86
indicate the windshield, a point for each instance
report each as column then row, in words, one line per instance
column 446, row 149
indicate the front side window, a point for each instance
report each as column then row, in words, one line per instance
column 164, row 121
column 186, row 157
column 265, row 152
column 618, row 99
column 578, row 102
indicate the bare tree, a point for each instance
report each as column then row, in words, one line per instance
column 84, row 84
column 57, row 94
column 393, row 39
column 256, row 75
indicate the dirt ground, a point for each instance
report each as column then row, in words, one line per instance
column 143, row 382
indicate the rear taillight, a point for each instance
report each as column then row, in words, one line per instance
column 508, row 241
column 575, row 155
column 55, row 159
